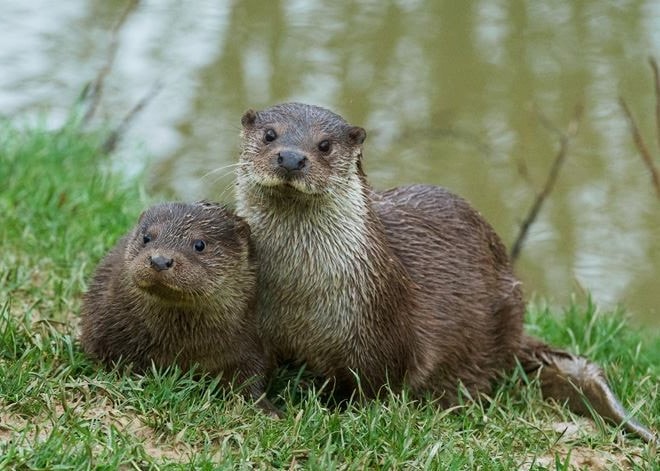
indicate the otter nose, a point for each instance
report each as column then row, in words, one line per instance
column 160, row 263
column 291, row 160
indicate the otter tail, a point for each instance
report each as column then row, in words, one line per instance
column 578, row 382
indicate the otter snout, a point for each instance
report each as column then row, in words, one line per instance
column 291, row 160
column 160, row 263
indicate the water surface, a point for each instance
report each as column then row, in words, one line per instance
column 451, row 93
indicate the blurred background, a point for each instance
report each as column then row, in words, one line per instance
column 458, row 94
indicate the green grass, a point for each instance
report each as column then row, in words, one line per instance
column 61, row 211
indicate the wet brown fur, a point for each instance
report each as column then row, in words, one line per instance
column 199, row 312
column 406, row 286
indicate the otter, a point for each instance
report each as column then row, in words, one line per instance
column 179, row 289
column 406, row 287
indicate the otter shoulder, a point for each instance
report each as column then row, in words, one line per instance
column 431, row 213
column 421, row 197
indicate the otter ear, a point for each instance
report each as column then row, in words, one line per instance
column 216, row 210
column 357, row 135
column 208, row 204
column 242, row 227
column 142, row 214
column 249, row 118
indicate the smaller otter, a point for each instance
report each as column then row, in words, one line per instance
column 180, row 289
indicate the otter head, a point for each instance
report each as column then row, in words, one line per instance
column 189, row 253
column 300, row 149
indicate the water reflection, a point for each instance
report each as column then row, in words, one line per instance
column 450, row 93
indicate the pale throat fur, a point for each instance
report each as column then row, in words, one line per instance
column 315, row 265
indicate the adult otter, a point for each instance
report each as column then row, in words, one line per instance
column 409, row 285
column 179, row 289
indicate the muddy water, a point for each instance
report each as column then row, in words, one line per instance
column 460, row 94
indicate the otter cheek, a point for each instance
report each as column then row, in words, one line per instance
column 139, row 273
column 141, row 282
column 261, row 173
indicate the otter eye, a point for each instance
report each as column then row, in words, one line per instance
column 199, row 245
column 146, row 239
column 270, row 135
column 324, row 146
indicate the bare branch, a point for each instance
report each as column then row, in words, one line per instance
column 94, row 90
column 656, row 80
column 564, row 140
column 642, row 148
column 110, row 144
column 523, row 170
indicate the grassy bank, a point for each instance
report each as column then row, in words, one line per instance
column 60, row 214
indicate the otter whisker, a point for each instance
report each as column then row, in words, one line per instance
column 224, row 167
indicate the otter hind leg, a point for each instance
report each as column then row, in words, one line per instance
column 580, row 383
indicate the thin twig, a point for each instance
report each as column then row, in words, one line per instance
column 110, row 144
column 523, row 170
column 656, row 80
column 641, row 146
column 94, row 90
column 564, row 139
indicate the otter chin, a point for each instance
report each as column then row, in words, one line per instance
column 168, row 293
column 404, row 287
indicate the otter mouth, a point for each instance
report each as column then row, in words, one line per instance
column 286, row 185
column 163, row 291
column 295, row 189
